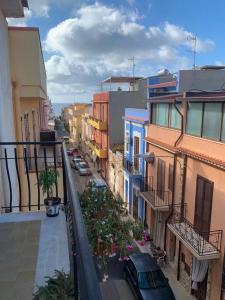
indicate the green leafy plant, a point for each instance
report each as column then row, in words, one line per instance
column 58, row 287
column 106, row 231
column 137, row 230
column 47, row 180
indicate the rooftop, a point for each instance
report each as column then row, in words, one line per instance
column 120, row 79
column 13, row 8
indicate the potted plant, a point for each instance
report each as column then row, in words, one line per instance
column 138, row 232
column 58, row 287
column 47, row 181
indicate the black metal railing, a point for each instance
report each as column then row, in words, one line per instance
column 156, row 198
column 21, row 164
column 203, row 243
column 130, row 167
column 84, row 268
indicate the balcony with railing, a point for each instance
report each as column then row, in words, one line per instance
column 157, row 199
column 97, row 124
column 100, row 152
column 131, row 168
column 203, row 245
column 33, row 245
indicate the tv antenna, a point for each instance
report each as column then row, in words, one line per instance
column 132, row 59
column 193, row 38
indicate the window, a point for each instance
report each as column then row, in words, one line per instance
column 170, row 182
column 206, row 120
column 160, row 178
column 136, row 153
column 151, row 280
column 194, row 118
column 212, row 120
column 162, row 114
column 223, row 125
column 127, row 140
column 175, row 119
column 203, row 205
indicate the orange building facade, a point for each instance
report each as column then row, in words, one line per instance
column 100, row 124
column 184, row 190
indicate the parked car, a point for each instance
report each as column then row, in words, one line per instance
column 70, row 152
column 75, row 162
column 146, row 279
column 83, row 168
column 76, row 152
column 99, row 183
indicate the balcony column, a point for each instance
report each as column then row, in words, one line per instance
column 7, row 128
column 19, row 136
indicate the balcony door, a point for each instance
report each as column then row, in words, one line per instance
column 136, row 152
column 202, row 220
column 161, row 178
column 203, row 204
column 135, row 203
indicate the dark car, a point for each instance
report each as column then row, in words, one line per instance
column 146, row 279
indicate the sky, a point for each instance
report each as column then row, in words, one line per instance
column 85, row 41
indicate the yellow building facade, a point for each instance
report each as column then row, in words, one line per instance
column 28, row 78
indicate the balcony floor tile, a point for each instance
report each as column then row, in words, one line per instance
column 32, row 246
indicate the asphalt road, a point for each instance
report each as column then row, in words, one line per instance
column 116, row 288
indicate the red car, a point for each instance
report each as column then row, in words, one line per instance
column 72, row 152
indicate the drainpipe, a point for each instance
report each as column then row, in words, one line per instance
column 173, row 197
column 174, row 172
column 183, row 185
column 182, row 125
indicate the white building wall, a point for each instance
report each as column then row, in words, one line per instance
column 7, row 133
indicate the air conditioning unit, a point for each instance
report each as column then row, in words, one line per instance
column 149, row 157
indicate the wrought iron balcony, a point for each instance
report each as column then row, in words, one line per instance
column 20, row 165
column 131, row 168
column 203, row 245
column 157, row 199
column 99, row 151
column 97, row 124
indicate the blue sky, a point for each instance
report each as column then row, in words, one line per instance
column 86, row 41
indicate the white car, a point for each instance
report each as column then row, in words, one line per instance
column 83, row 168
column 75, row 162
column 97, row 183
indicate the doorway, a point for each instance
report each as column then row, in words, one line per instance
column 202, row 220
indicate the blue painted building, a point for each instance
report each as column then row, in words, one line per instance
column 135, row 121
column 161, row 84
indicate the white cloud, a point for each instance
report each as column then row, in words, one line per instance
column 42, row 8
column 98, row 41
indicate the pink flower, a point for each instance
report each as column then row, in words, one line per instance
column 126, row 258
column 141, row 243
column 129, row 247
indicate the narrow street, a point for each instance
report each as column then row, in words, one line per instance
column 116, row 287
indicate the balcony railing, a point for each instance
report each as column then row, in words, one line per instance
column 203, row 245
column 97, row 124
column 130, row 167
column 157, row 199
column 21, row 164
column 99, row 151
